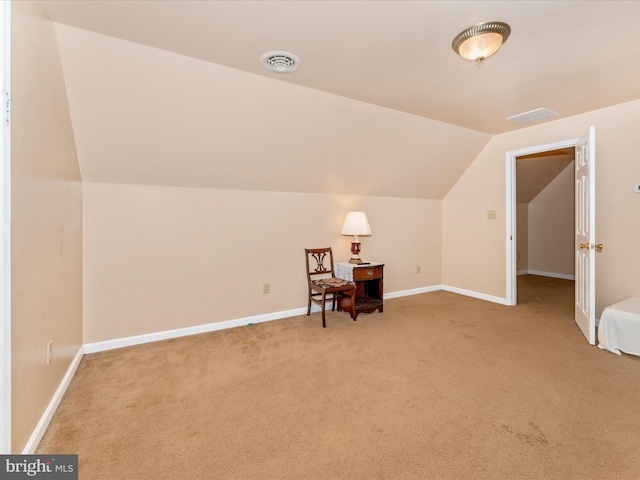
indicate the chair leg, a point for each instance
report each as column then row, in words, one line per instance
column 353, row 305
column 309, row 304
column 324, row 298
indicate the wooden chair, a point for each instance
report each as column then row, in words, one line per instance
column 323, row 284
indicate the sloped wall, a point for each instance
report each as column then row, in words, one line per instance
column 145, row 116
column 46, row 222
column 551, row 228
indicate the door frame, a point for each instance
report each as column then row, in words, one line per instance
column 5, row 231
column 511, row 239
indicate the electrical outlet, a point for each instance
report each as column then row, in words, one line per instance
column 636, row 188
column 418, row 269
column 266, row 288
column 49, row 352
column 491, row 214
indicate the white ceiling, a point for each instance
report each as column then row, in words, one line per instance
column 568, row 56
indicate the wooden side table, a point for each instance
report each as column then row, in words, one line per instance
column 369, row 286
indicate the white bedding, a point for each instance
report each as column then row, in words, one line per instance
column 619, row 328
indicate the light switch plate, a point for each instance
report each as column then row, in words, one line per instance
column 636, row 188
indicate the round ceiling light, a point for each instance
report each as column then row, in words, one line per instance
column 280, row 61
column 481, row 41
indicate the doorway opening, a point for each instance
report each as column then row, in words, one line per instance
column 532, row 173
column 545, row 235
column 545, row 217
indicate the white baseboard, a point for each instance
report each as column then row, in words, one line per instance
column 474, row 294
column 562, row 276
column 212, row 327
column 196, row 329
column 43, row 424
column 413, row 291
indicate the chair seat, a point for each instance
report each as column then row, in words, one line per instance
column 332, row 282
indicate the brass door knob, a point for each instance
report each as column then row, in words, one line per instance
column 592, row 246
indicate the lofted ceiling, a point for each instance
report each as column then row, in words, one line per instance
column 173, row 93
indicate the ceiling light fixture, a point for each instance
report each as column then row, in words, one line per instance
column 280, row 62
column 481, row 41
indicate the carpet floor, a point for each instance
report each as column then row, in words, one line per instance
column 439, row 386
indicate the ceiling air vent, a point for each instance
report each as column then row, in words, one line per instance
column 532, row 116
column 280, row 62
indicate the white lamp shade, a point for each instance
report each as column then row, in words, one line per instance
column 356, row 223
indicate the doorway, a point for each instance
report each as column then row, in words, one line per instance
column 529, row 156
column 545, row 214
column 584, row 238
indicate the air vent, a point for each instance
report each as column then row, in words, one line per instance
column 280, row 62
column 532, row 116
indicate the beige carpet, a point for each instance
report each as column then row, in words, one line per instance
column 439, row 386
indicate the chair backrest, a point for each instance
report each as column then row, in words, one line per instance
column 317, row 259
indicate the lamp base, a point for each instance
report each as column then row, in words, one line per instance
column 355, row 250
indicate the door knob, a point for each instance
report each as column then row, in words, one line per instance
column 592, row 246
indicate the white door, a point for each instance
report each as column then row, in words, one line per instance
column 585, row 235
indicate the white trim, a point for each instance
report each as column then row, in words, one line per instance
column 5, row 235
column 511, row 294
column 212, row 327
column 471, row 293
column 413, row 291
column 43, row 424
column 511, row 240
column 245, row 321
column 562, row 276
column 195, row 330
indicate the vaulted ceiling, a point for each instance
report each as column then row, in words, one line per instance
column 173, row 93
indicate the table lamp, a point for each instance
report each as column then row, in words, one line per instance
column 356, row 224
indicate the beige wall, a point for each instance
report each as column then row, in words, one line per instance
column 46, row 222
column 551, row 226
column 522, row 236
column 161, row 258
column 473, row 249
column 481, row 265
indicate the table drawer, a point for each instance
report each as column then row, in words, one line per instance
column 369, row 273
